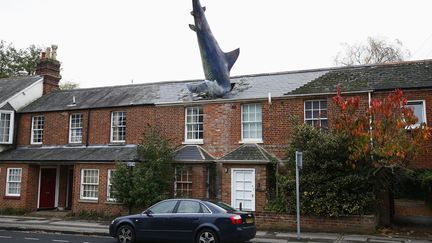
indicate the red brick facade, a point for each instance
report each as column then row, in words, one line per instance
column 222, row 134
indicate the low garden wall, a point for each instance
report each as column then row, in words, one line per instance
column 344, row 224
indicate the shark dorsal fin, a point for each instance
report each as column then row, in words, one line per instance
column 231, row 57
column 204, row 8
column 192, row 27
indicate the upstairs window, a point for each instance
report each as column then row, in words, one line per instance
column 37, row 129
column 194, row 124
column 6, row 127
column 13, row 182
column 419, row 111
column 251, row 123
column 118, row 127
column 75, row 128
column 316, row 113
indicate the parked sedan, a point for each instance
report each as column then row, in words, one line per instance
column 186, row 220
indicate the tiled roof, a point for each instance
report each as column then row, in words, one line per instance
column 192, row 153
column 11, row 86
column 402, row 75
column 75, row 154
column 248, row 153
column 247, row 87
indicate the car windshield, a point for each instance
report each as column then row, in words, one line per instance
column 227, row 208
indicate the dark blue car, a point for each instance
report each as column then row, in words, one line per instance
column 186, row 220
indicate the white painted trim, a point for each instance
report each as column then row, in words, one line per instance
column 251, row 140
column 11, row 126
column 32, row 129
column 319, row 119
column 192, row 141
column 20, row 92
column 57, row 187
column 70, row 127
column 82, row 185
column 108, row 178
column 424, row 109
column 111, row 128
column 7, row 182
column 253, row 186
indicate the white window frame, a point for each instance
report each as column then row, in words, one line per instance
column 11, row 126
column 82, row 185
column 188, row 181
column 8, row 181
column 193, row 141
column 251, row 140
column 424, row 112
column 75, row 128
column 109, row 184
column 112, row 128
column 33, row 129
column 319, row 110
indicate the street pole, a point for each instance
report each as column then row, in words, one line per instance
column 299, row 163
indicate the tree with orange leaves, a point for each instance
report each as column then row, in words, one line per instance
column 384, row 137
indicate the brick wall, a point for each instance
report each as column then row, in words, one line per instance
column 406, row 207
column 101, row 205
column 347, row 224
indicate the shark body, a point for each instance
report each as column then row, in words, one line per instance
column 216, row 64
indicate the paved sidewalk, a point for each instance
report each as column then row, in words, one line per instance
column 60, row 225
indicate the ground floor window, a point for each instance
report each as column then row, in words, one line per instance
column 89, row 184
column 13, row 182
column 183, row 181
column 110, row 196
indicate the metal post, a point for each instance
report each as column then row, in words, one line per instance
column 299, row 164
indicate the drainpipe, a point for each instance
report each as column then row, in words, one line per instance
column 370, row 122
column 88, row 128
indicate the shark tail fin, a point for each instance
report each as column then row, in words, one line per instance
column 231, row 57
column 192, row 27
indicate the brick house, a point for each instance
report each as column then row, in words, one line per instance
column 68, row 142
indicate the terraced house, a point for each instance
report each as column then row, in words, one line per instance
column 62, row 147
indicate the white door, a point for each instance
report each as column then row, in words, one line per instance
column 243, row 189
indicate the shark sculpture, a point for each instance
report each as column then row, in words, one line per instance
column 217, row 64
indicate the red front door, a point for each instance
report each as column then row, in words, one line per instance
column 47, row 188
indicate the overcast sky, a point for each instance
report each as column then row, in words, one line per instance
column 104, row 42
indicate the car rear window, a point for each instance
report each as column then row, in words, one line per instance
column 225, row 207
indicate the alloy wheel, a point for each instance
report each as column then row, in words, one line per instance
column 125, row 234
column 207, row 237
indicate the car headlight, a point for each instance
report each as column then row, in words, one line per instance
column 112, row 222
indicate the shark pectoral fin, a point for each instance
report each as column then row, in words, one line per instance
column 204, row 8
column 192, row 27
column 231, row 57
column 192, row 13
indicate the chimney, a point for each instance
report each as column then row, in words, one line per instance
column 49, row 68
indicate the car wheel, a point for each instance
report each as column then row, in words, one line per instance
column 207, row 236
column 125, row 234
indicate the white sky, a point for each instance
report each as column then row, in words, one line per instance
column 104, row 42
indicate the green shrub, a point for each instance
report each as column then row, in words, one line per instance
column 12, row 211
column 329, row 186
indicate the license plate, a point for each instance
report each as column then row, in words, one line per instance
column 250, row 220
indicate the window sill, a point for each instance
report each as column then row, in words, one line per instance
column 113, row 203
column 12, row 197
column 193, row 142
column 88, row 201
column 117, row 144
column 251, row 141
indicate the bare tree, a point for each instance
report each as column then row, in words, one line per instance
column 375, row 50
column 68, row 85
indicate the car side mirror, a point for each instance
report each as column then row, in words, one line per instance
column 147, row 212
